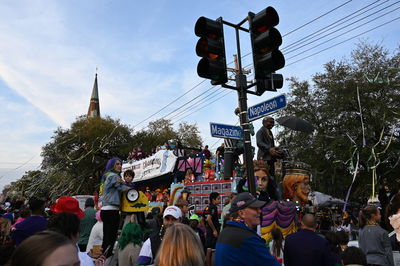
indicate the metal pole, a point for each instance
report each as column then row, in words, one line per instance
column 228, row 159
column 241, row 84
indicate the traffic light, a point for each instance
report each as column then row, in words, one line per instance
column 271, row 83
column 211, row 48
column 265, row 41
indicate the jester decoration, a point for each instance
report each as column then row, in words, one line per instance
column 281, row 214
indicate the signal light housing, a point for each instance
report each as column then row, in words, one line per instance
column 265, row 41
column 271, row 83
column 211, row 48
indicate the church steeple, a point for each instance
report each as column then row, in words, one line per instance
column 94, row 107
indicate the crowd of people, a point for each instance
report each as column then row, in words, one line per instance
column 68, row 235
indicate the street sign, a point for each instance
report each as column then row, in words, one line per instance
column 226, row 131
column 268, row 107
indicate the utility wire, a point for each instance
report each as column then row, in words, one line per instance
column 194, row 98
column 326, row 28
column 326, row 13
column 196, row 105
column 342, row 28
column 150, row 116
column 204, row 106
column 16, row 168
column 336, row 43
column 344, row 33
column 381, row 25
column 194, row 87
column 330, row 11
column 250, row 64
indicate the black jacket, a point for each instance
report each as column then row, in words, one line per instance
column 264, row 143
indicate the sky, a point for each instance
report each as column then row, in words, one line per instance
column 145, row 55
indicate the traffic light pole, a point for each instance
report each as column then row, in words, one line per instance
column 265, row 41
column 241, row 88
column 244, row 123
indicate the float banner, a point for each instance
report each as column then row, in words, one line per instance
column 82, row 200
column 158, row 164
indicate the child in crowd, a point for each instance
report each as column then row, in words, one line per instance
column 128, row 177
column 210, row 215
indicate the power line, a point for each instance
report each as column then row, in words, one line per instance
column 16, row 168
column 302, row 26
column 328, row 47
column 161, row 109
column 326, row 28
column 381, row 25
column 200, row 100
column 230, row 91
column 194, row 98
column 326, row 13
column 337, row 30
column 196, row 105
column 150, row 116
column 345, row 33
column 341, row 34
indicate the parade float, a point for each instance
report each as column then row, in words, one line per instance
column 163, row 178
column 286, row 212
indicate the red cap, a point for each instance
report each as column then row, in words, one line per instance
column 67, row 204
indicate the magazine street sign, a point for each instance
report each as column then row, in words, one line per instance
column 265, row 108
column 226, row 131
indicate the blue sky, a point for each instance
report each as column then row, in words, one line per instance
column 49, row 51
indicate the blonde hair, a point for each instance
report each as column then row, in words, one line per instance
column 5, row 226
column 180, row 247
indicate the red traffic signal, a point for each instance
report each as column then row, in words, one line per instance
column 265, row 41
column 211, row 48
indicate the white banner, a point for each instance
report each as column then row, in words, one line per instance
column 158, row 164
column 82, row 200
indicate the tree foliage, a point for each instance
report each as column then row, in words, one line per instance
column 74, row 159
column 354, row 106
column 161, row 131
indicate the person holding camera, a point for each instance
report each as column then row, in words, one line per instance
column 267, row 150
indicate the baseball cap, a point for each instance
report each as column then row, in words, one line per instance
column 195, row 217
column 245, row 200
column 67, row 204
column 173, row 211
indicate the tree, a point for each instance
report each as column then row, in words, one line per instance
column 160, row 131
column 75, row 158
column 189, row 135
column 354, row 107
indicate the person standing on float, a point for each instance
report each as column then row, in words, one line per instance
column 111, row 200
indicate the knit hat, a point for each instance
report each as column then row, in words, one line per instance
column 67, row 204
